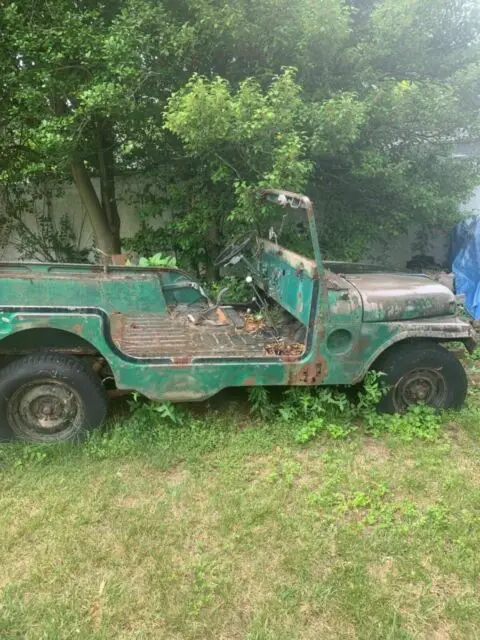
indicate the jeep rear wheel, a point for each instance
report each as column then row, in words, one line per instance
column 48, row 398
column 422, row 373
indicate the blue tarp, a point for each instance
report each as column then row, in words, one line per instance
column 465, row 258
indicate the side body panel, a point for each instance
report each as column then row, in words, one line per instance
column 332, row 360
column 81, row 301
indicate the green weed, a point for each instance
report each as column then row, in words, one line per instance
column 158, row 260
column 419, row 422
column 235, row 290
column 260, row 404
column 330, row 412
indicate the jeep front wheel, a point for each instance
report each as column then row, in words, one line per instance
column 49, row 398
column 421, row 373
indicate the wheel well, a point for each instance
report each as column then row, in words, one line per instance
column 41, row 339
column 409, row 341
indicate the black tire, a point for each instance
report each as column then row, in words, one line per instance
column 421, row 372
column 50, row 398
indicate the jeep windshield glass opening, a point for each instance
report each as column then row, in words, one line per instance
column 287, row 219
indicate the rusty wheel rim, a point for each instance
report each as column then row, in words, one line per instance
column 421, row 386
column 45, row 410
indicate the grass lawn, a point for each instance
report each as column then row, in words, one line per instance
column 227, row 528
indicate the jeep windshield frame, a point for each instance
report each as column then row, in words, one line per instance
column 283, row 198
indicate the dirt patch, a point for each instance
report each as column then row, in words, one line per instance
column 474, row 378
column 444, row 631
column 466, row 462
column 382, row 571
column 161, row 483
column 176, row 476
column 138, row 501
column 259, row 468
column 13, row 571
column 325, row 626
column 173, row 476
column 370, row 453
column 375, row 451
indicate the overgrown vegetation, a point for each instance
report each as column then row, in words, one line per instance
column 325, row 412
column 298, row 415
column 359, row 103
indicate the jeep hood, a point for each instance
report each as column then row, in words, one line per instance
column 391, row 296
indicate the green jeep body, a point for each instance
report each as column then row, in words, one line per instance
column 153, row 330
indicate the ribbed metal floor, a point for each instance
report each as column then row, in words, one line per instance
column 155, row 335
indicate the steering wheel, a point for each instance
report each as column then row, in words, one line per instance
column 232, row 250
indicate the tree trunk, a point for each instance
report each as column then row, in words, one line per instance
column 212, row 251
column 212, row 272
column 106, row 165
column 107, row 242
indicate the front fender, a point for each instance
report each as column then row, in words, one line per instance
column 441, row 329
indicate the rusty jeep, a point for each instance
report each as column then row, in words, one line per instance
column 71, row 335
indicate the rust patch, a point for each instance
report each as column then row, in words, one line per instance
column 182, row 360
column 309, row 374
column 117, row 326
column 362, row 344
column 285, row 350
column 222, row 318
column 119, row 259
column 250, row 382
column 78, row 329
column 288, row 358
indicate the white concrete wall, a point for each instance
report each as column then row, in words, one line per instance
column 70, row 204
column 402, row 248
column 399, row 250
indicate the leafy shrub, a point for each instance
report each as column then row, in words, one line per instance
column 311, row 412
column 317, row 411
column 236, row 289
column 157, row 260
column 166, row 411
column 420, row 421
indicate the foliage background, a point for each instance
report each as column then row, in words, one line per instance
column 359, row 103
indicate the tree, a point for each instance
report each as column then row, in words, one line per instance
column 372, row 122
column 357, row 101
column 72, row 93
